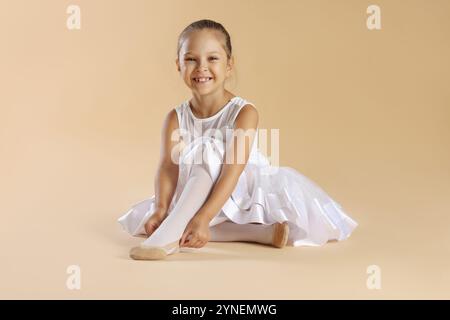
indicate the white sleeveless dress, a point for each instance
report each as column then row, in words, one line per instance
column 264, row 193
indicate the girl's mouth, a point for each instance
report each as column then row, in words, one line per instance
column 202, row 79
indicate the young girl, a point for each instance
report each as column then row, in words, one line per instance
column 217, row 200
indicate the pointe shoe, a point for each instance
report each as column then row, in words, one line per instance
column 280, row 234
column 154, row 253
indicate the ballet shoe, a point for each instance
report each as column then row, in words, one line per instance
column 280, row 234
column 143, row 252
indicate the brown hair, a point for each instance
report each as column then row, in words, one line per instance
column 205, row 24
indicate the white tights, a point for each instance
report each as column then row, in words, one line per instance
column 230, row 231
column 194, row 194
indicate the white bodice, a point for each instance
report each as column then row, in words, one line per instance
column 218, row 126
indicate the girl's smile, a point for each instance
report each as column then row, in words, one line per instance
column 202, row 80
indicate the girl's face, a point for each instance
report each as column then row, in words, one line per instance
column 203, row 56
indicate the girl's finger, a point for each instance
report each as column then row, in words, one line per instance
column 198, row 243
column 191, row 241
column 183, row 240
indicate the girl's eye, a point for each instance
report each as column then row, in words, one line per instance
column 190, row 59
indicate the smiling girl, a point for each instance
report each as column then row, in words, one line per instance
column 216, row 200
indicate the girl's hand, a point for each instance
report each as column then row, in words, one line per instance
column 155, row 220
column 198, row 230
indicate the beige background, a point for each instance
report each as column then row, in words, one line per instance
column 363, row 113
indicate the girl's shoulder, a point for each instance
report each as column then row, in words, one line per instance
column 245, row 112
column 242, row 101
column 171, row 120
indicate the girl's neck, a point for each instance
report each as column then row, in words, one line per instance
column 208, row 105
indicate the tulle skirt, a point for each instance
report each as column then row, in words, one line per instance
column 264, row 194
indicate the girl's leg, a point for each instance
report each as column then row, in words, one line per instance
column 230, row 231
column 194, row 194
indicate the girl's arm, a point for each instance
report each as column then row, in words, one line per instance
column 229, row 175
column 167, row 174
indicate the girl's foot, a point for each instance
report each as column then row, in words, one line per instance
column 154, row 253
column 280, row 234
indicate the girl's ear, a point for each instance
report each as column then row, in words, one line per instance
column 231, row 62
column 230, row 65
column 177, row 62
